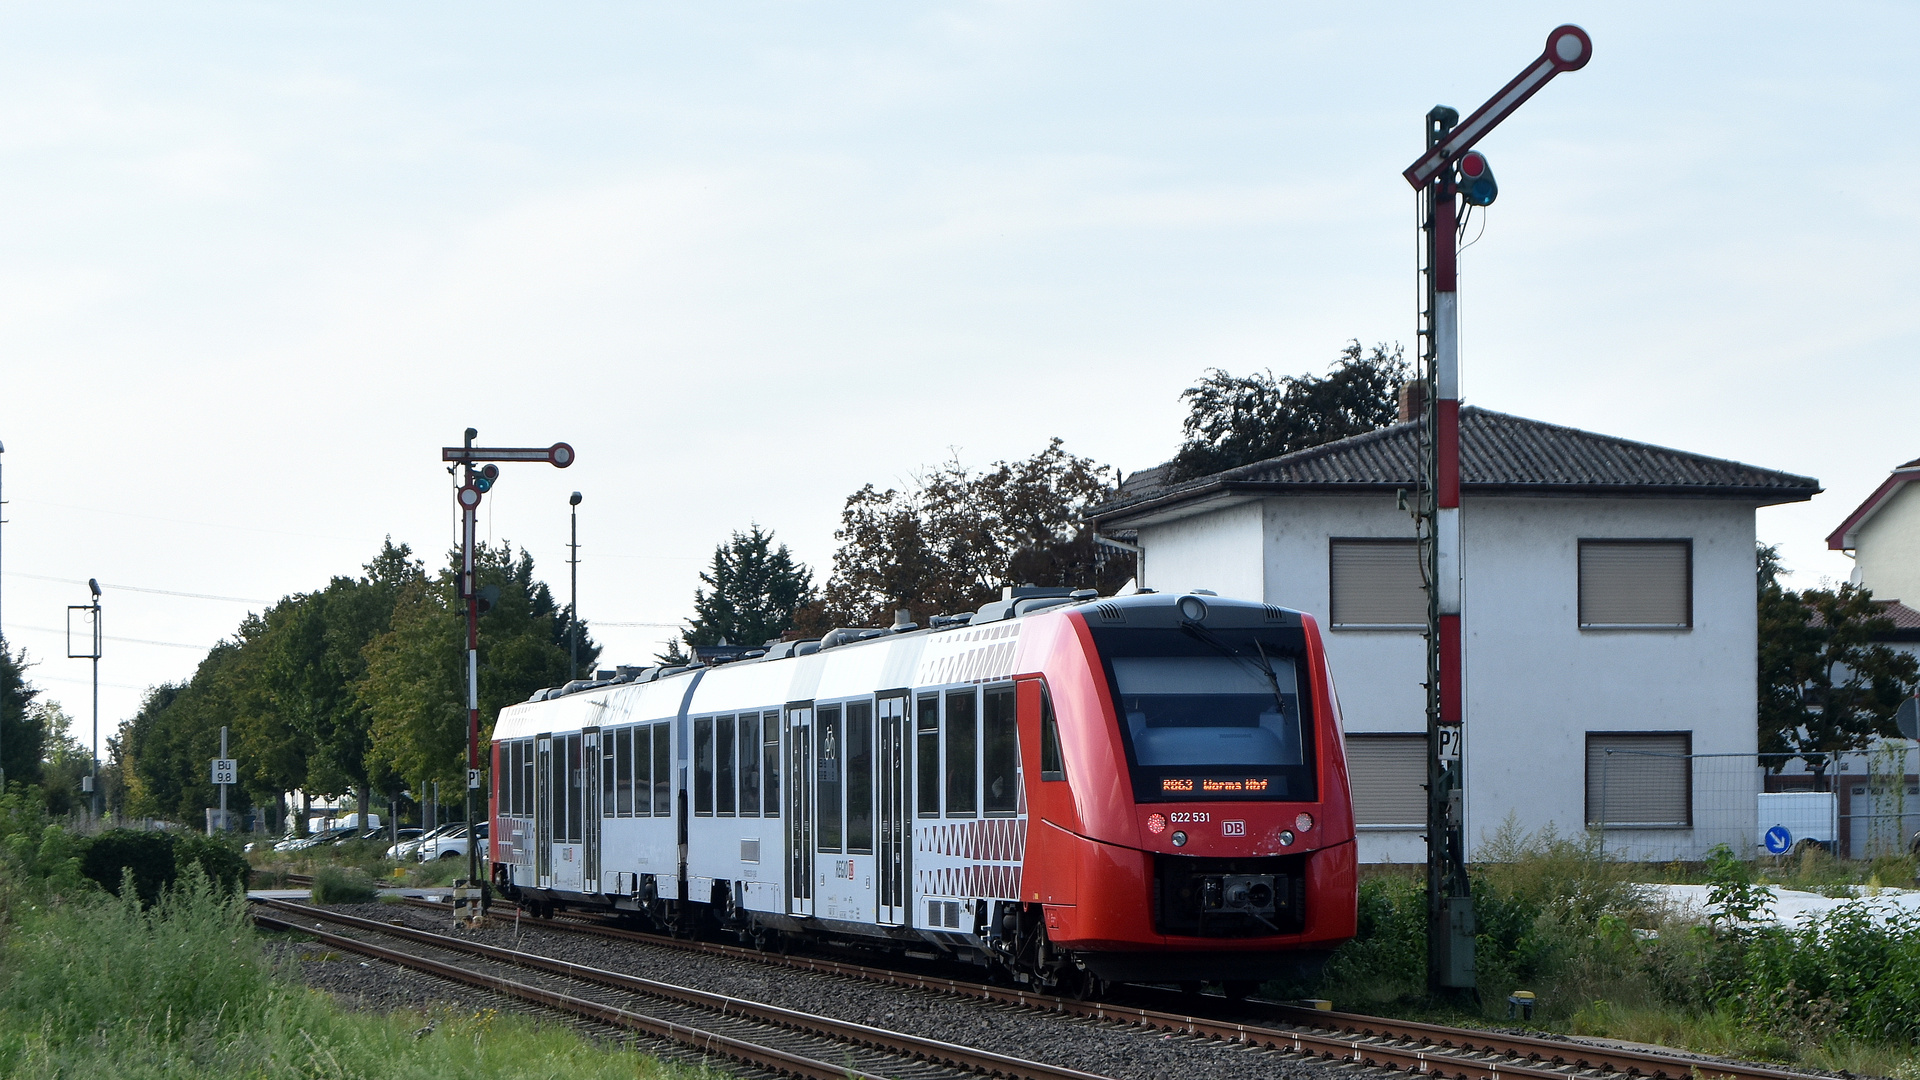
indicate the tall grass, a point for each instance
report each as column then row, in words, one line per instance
column 95, row 985
column 1559, row 918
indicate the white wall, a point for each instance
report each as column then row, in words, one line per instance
column 1888, row 556
column 1218, row 551
column 1535, row 682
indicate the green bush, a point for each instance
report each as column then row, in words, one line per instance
column 156, row 859
column 342, row 885
column 1387, row 958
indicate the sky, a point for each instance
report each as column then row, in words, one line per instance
column 259, row 262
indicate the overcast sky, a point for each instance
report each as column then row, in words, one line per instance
column 258, row 263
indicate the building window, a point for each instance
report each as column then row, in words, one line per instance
column 1376, row 584
column 1388, row 774
column 1640, row 779
column 1636, row 584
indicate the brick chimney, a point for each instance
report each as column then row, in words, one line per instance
column 1413, row 400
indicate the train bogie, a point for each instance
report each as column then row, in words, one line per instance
column 1146, row 787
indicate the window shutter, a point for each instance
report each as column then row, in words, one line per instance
column 1377, row 583
column 1642, row 583
column 1645, row 782
column 1388, row 774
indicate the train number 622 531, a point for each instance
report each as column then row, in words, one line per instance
column 1181, row 817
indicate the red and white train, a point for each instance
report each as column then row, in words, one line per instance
column 1067, row 788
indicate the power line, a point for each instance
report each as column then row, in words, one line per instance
column 140, row 589
column 129, row 640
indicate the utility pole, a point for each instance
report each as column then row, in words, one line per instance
column 475, row 483
column 573, row 610
column 1449, row 175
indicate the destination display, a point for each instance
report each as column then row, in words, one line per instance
column 1252, row 785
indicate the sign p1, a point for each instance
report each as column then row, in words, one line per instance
column 473, row 778
column 1779, row 840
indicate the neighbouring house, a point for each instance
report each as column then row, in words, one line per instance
column 1609, row 614
column 1883, row 536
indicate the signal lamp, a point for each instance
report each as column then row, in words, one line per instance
column 1474, row 177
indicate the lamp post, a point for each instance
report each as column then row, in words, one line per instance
column 573, row 611
column 91, row 622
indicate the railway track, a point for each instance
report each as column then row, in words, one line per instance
column 764, row 1036
column 1447, row 1053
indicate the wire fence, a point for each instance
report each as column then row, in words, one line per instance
column 1653, row 806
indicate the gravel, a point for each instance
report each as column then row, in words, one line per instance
column 1093, row 1046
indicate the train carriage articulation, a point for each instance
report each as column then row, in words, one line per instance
column 1066, row 788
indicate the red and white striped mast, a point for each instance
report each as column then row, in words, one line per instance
column 1447, row 176
column 475, row 483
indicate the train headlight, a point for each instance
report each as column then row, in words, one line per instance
column 1286, row 837
column 1304, row 823
column 1193, row 609
column 1179, row 838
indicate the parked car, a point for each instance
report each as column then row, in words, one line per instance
column 406, row 845
column 449, row 845
column 324, row 836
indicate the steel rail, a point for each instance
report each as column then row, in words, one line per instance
column 1345, row 1034
column 1523, row 1055
column 931, row 1050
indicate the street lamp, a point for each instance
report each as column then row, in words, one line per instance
column 573, row 612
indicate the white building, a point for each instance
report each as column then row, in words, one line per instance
column 1608, row 606
column 1883, row 535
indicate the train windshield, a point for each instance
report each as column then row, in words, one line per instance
column 1211, row 714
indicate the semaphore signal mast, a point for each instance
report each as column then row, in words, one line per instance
column 1451, row 176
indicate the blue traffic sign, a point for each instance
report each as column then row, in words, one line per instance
column 1779, row 840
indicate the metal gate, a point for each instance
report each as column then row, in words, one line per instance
column 896, row 824
column 543, row 808
column 800, row 782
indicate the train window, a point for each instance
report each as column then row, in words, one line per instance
column 769, row 772
column 526, row 779
column 1053, row 763
column 642, row 757
column 576, row 791
column 662, row 771
column 927, row 755
column 623, row 771
column 723, row 766
column 1219, row 714
column 749, row 765
column 860, row 777
column 826, row 771
column 963, row 765
column 703, row 767
column 999, row 753
column 609, row 768
column 510, row 779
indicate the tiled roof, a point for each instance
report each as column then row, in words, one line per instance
column 1499, row 453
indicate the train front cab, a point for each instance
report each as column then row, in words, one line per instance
column 1197, row 840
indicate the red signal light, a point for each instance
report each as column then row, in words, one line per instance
column 1472, row 165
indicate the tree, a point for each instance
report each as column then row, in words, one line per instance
column 1233, row 421
column 952, row 541
column 414, row 689
column 1825, row 684
column 755, row 591
column 23, row 734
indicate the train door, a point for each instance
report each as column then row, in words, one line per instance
column 800, row 782
column 593, row 762
column 896, row 825
column 543, row 811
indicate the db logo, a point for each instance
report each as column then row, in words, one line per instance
column 1156, row 824
column 1233, row 828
